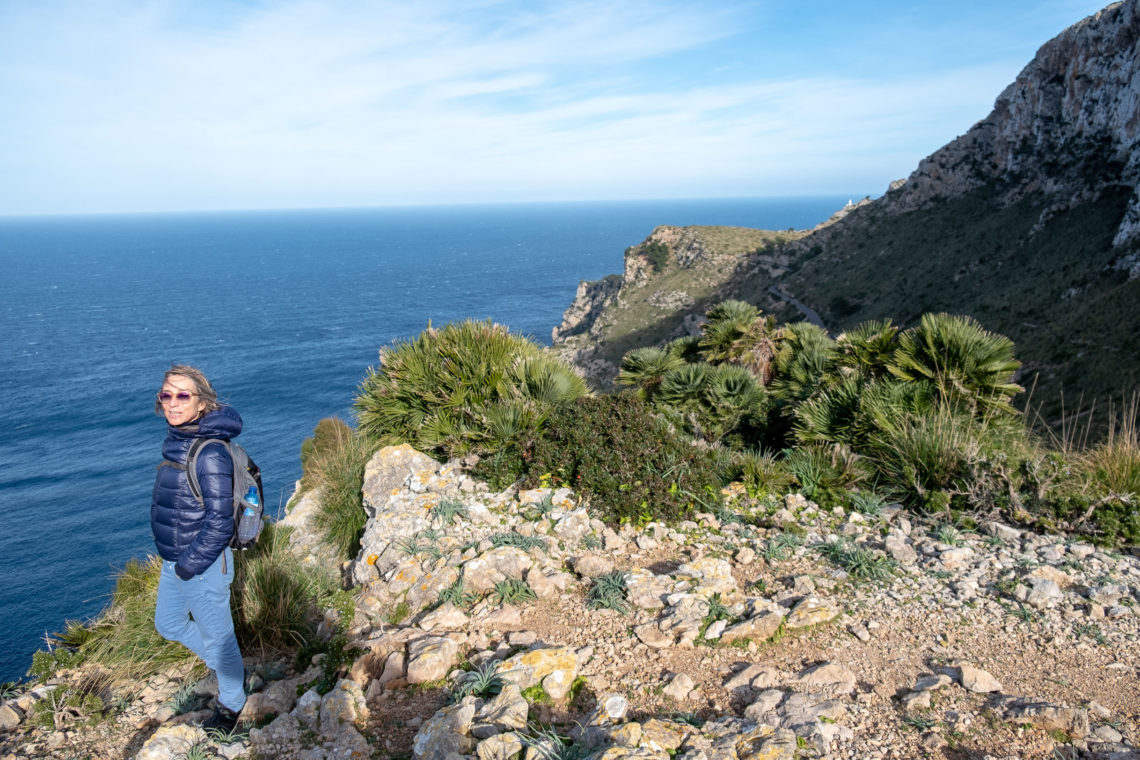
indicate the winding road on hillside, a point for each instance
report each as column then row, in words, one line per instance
column 809, row 314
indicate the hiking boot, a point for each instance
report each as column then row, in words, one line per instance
column 224, row 719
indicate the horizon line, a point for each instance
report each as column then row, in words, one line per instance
column 853, row 197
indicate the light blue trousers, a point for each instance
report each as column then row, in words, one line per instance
column 196, row 613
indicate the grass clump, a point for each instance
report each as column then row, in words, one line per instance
column 334, row 465
column 456, row 594
column 276, row 599
column 276, row 604
column 781, row 546
column 517, row 540
column 446, row 511
column 546, row 744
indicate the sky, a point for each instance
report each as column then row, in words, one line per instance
column 115, row 106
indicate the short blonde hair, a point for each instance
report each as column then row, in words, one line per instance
column 202, row 386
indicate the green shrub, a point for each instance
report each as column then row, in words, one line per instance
column 468, row 387
column 47, row 662
column 657, row 253
column 626, row 461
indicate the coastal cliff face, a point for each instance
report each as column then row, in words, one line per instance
column 668, row 279
column 1067, row 127
column 1029, row 222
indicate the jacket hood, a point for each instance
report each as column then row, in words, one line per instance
column 223, row 422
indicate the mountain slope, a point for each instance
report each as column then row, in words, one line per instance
column 1029, row 222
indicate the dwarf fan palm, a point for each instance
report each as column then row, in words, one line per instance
column 645, row 368
column 736, row 332
column 965, row 362
column 867, row 348
column 435, row 391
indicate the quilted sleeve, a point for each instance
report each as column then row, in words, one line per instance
column 215, row 476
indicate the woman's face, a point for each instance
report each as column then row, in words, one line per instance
column 184, row 404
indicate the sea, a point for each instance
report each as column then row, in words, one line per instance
column 285, row 311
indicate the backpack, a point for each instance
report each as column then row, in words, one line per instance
column 247, row 477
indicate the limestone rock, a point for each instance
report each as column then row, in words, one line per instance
column 10, row 716
column 592, row 565
column 659, row 735
column 170, row 742
column 430, row 658
column 830, row 677
column 573, row 527
column 897, row 546
column 680, row 687
column 1073, row 721
column 977, row 680
column 308, row 710
column 495, row 566
column 343, row 706
column 611, row 708
column 709, row 574
column 766, row 743
column 759, row 628
column 506, row 712
column 446, row 733
column 647, row 590
column 446, row 617
column 500, row 747
column 538, row 665
column 812, row 611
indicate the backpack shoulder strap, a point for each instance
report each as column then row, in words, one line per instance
column 192, row 462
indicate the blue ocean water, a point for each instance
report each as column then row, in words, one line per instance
column 284, row 311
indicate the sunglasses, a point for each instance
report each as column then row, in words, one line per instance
column 166, row 397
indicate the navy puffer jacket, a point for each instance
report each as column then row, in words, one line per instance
column 185, row 532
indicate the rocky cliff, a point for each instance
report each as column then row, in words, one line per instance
column 1067, row 127
column 1030, row 222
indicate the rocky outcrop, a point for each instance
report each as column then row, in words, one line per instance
column 667, row 280
column 1068, row 127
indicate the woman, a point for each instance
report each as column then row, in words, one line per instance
column 193, row 536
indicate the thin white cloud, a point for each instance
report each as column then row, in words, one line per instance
column 171, row 105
